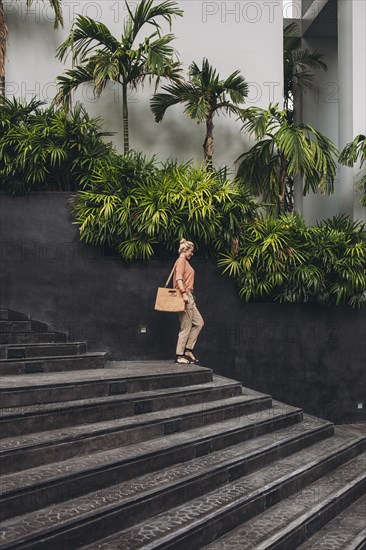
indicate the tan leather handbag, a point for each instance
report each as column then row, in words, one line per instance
column 169, row 299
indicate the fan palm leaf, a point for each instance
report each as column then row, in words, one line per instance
column 356, row 152
column 284, row 151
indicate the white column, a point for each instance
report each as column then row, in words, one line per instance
column 351, row 108
column 359, row 88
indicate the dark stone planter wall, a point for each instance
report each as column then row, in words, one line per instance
column 310, row 356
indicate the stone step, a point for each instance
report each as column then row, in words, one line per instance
column 118, row 377
column 49, row 446
column 32, row 365
column 35, row 488
column 17, row 351
column 201, row 520
column 11, row 315
column 17, row 421
column 287, row 524
column 23, row 326
column 69, row 524
column 346, row 531
column 31, row 337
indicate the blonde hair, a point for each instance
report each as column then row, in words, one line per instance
column 184, row 246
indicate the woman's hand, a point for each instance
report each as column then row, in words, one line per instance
column 185, row 298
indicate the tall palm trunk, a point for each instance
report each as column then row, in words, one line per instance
column 208, row 144
column 3, row 43
column 126, row 143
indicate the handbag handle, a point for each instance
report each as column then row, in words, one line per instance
column 170, row 276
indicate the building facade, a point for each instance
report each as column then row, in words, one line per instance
column 244, row 35
column 337, row 105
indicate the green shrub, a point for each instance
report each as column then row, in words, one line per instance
column 283, row 259
column 356, row 152
column 141, row 208
column 48, row 149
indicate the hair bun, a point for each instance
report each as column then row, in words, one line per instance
column 184, row 245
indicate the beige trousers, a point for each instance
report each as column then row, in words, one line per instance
column 191, row 324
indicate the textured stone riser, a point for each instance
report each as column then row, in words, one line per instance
column 204, row 534
column 197, row 537
column 57, row 364
column 15, row 459
column 110, row 521
column 31, row 351
column 23, row 326
column 114, row 472
column 212, row 525
column 293, row 539
column 32, row 337
column 305, row 530
column 72, row 392
column 100, row 412
column 346, row 531
column 309, row 516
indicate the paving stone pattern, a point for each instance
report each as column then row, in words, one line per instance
column 271, row 522
column 203, row 463
column 340, row 532
column 29, row 477
column 118, row 494
column 229, row 495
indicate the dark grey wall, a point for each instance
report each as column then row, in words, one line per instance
column 310, row 356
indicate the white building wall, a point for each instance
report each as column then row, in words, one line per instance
column 352, row 94
column 337, row 108
column 244, row 35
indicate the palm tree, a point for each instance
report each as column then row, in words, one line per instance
column 101, row 57
column 352, row 153
column 297, row 65
column 285, row 150
column 203, row 95
column 55, row 4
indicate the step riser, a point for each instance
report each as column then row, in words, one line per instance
column 211, row 530
column 129, row 515
column 15, row 426
column 304, row 531
column 14, row 461
column 123, row 471
column 23, row 326
column 10, row 315
column 359, row 543
column 56, row 394
column 32, row 337
column 30, row 352
column 52, row 365
column 110, row 522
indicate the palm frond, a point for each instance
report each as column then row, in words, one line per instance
column 56, row 6
column 86, row 34
column 146, row 12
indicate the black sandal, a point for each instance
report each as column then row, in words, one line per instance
column 188, row 361
column 195, row 361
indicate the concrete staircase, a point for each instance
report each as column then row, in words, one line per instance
column 142, row 455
